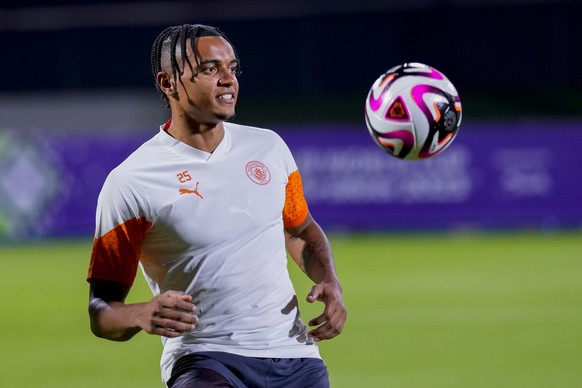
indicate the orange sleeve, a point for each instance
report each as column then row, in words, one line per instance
column 295, row 209
column 115, row 255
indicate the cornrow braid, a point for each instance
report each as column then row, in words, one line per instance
column 167, row 42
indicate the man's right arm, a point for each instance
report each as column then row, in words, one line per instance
column 169, row 314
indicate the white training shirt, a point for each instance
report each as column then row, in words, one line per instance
column 210, row 225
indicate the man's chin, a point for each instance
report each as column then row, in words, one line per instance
column 225, row 117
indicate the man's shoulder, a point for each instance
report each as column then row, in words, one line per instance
column 139, row 159
column 146, row 151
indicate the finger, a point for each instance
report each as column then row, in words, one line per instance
column 176, row 315
column 166, row 332
column 186, row 297
column 329, row 328
column 183, row 305
column 316, row 293
column 171, row 327
column 171, row 294
column 324, row 332
column 178, row 300
column 328, row 312
column 174, row 325
column 318, row 320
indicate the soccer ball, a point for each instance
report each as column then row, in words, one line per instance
column 413, row 112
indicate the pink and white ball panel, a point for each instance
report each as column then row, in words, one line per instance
column 413, row 111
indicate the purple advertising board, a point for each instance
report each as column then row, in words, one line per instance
column 522, row 174
column 495, row 174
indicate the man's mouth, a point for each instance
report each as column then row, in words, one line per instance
column 226, row 97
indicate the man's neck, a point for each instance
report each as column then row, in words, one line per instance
column 200, row 136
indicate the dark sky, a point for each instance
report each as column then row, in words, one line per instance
column 489, row 49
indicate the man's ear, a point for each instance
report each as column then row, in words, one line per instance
column 166, row 84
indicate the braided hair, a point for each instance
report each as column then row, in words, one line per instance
column 166, row 44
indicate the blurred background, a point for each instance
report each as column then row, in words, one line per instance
column 461, row 270
column 77, row 96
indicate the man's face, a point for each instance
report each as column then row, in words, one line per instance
column 208, row 94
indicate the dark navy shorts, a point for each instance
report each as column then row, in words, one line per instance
column 218, row 369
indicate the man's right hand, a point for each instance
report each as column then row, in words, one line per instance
column 169, row 314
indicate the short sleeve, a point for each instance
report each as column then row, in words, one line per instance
column 295, row 209
column 119, row 234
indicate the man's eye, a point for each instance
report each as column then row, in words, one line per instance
column 234, row 70
column 209, row 70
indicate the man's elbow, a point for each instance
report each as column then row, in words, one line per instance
column 95, row 311
column 98, row 332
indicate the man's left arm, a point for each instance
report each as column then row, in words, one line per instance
column 310, row 249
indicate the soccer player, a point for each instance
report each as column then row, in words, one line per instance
column 207, row 209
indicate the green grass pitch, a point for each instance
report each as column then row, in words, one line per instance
column 435, row 310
